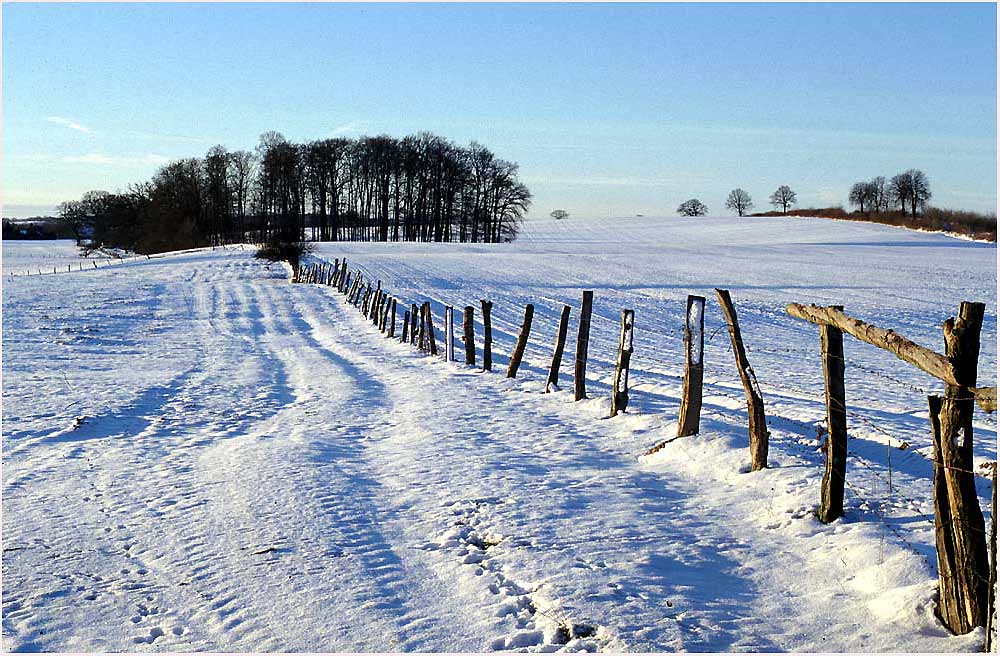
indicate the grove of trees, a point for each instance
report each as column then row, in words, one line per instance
column 418, row 188
column 910, row 189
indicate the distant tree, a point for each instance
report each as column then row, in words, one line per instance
column 862, row 194
column 739, row 201
column 74, row 216
column 783, row 197
column 920, row 190
column 900, row 189
column 880, row 195
column 693, row 207
column 558, row 215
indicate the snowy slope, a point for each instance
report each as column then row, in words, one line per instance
column 199, row 456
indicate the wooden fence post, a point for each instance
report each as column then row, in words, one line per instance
column 449, row 334
column 694, row 350
column 392, row 321
column 960, row 532
column 377, row 298
column 582, row 344
column 404, row 338
column 413, row 326
column 619, row 389
column 553, row 381
column 831, row 505
column 991, row 606
column 432, row 344
column 469, row 335
column 385, row 313
column 522, row 341
column 487, row 335
column 755, row 401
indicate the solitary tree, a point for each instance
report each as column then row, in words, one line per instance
column 558, row 215
column 739, row 201
column 693, row 207
column 783, row 197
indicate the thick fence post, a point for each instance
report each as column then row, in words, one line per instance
column 385, row 313
column 553, row 381
column 449, row 334
column 405, row 337
column 582, row 344
column 963, row 561
column 619, row 390
column 392, row 320
column 522, row 341
column 487, row 335
column 755, row 401
column 694, row 350
column 469, row 335
column 831, row 504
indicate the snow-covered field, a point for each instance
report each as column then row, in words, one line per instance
column 198, row 455
column 42, row 256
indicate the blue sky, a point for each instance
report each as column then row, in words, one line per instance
column 608, row 109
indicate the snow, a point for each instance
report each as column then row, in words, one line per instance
column 200, row 456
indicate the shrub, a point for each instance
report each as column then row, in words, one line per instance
column 278, row 250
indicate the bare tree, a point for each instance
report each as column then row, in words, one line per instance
column 559, row 215
column 920, row 191
column 73, row 214
column 783, row 197
column 880, row 197
column 739, row 201
column 693, row 207
column 862, row 195
column 900, row 187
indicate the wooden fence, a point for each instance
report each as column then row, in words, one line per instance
column 966, row 563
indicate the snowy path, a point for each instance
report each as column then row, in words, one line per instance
column 200, row 456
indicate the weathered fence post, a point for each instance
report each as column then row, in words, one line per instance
column 694, row 349
column 557, row 353
column 469, row 335
column 405, row 337
column 385, row 313
column 619, row 390
column 392, row 321
column 376, row 302
column 755, row 401
column 991, row 606
column 960, row 532
column 522, row 341
column 432, row 344
column 449, row 334
column 582, row 344
column 831, row 505
column 487, row 335
column 413, row 326
column 348, row 287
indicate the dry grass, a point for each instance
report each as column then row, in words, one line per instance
column 969, row 224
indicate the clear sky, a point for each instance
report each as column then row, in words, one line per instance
column 621, row 109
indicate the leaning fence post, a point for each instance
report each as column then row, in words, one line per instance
column 694, row 349
column 522, row 341
column 449, row 334
column 469, row 335
column 431, row 343
column 960, row 532
column 557, row 353
column 831, row 504
column 582, row 344
column 755, row 401
column 619, row 390
column 487, row 335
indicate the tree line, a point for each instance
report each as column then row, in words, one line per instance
column 416, row 188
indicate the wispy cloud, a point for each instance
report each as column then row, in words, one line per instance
column 102, row 159
column 351, row 127
column 68, row 123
